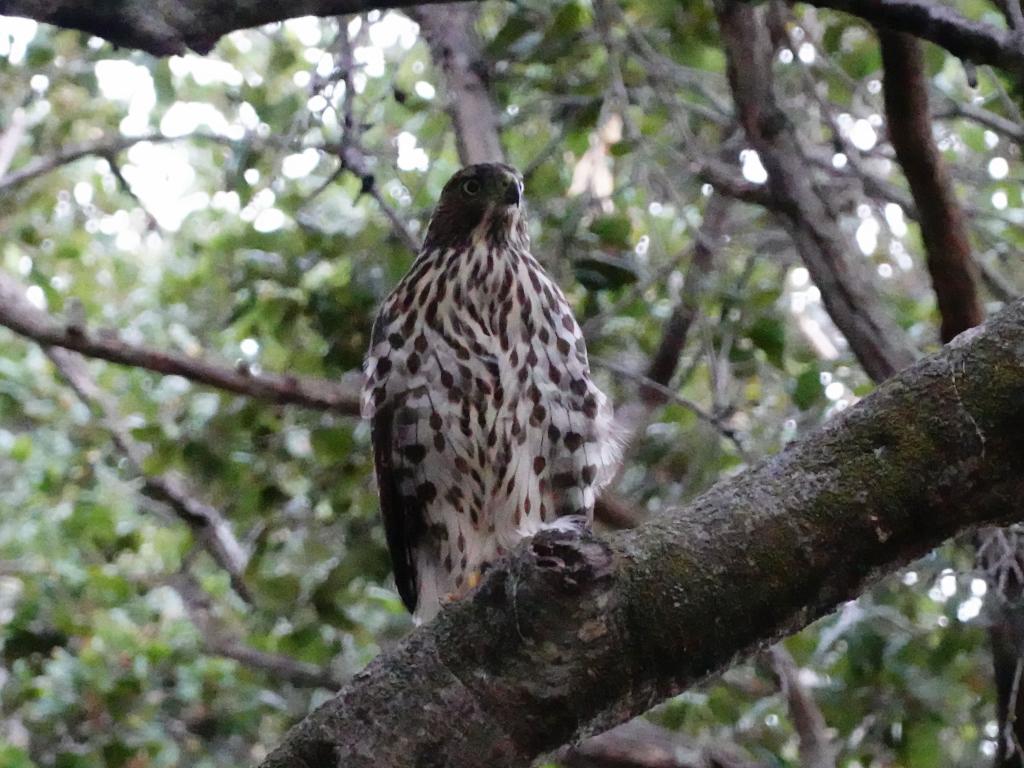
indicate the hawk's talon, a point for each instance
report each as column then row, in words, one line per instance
column 470, row 582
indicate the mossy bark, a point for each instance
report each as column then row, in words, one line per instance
column 574, row 635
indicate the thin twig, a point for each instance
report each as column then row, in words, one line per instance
column 815, row 745
column 1010, row 731
column 715, row 421
column 994, row 122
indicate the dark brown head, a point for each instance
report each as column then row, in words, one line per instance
column 482, row 201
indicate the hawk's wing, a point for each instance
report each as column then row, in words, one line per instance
column 403, row 514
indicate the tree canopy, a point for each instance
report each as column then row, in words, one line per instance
column 760, row 213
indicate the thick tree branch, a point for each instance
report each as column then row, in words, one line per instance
column 165, row 29
column 171, row 28
column 802, row 210
column 943, row 227
column 574, row 634
column 24, row 319
column 974, row 41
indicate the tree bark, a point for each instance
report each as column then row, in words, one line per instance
column 574, row 634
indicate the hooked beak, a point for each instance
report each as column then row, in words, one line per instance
column 513, row 193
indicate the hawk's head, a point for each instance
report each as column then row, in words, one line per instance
column 479, row 202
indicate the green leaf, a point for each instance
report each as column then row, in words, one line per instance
column 520, row 24
column 613, row 230
column 39, row 55
column 332, row 445
column 923, row 743
column 769, row 335
column 808, row 389
column 13, row 757
column 22, row 448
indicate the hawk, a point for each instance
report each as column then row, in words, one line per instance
column 486, row 425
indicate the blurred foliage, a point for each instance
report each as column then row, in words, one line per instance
column 238, row 239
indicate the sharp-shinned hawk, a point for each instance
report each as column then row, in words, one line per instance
column 486, row 425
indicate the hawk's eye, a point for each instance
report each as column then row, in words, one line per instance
column 471, row 187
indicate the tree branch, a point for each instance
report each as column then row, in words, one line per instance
column 653, row 386
column 991, row 120
column 667, row 395
column 943, row 227
column 1012, row 11
column 725, row 181
column 450, row 31
column 24, row 319
column 816, row 749
column 166, row 29
column 665, row 360
column 574, row 633
column 104, row 147
column 802, row 210
column 954, row 279
column 298, row 673
column 974, row 41
column 643, row 744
